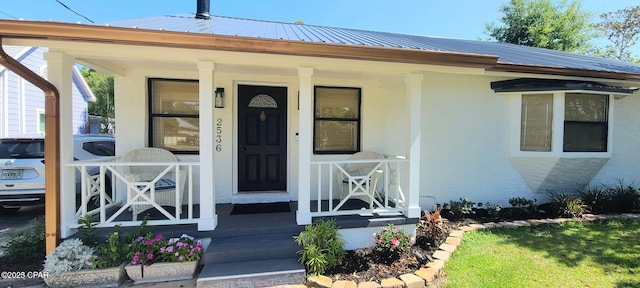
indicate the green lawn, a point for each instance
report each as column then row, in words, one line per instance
column 603, row 254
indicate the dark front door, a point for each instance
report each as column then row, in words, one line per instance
column 262, row 138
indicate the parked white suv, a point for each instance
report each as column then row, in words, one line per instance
column 22, row 166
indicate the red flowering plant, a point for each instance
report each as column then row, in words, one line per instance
column 182, row 249
column 393, row 240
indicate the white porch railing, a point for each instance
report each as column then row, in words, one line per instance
column 94, row 198
column 380, row 188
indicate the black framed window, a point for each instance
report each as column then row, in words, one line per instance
column 174, row 112
column 585, row 122
column 336, row 122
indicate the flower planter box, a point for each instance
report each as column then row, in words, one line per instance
column 106, row 277
column 162, row 271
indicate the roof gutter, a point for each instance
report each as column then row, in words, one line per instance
column 545, row 70
column 51, row 146
column 132, row 36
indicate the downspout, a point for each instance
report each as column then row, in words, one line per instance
column 51, row 147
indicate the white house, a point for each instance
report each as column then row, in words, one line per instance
column 259, row 111
column 22, row 104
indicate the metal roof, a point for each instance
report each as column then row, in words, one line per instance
column 507, row 53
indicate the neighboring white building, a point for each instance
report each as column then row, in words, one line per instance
column 22, row 104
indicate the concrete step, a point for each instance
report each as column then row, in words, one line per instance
column 259, row 273
column 250, row 248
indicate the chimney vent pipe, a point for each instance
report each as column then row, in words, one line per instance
column 203, row 10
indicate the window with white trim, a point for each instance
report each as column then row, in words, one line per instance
column 585, row 119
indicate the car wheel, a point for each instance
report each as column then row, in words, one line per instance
column 4, row 210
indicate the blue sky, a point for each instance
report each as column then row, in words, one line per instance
column 463, row 19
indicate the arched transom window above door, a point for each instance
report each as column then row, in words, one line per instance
column 263, row 101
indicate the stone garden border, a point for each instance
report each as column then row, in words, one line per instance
column 430, row 271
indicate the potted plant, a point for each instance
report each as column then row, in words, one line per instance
column 154, row 258
column 70, row 265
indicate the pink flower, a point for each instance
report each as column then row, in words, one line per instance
column 394, row 243
column 169, row 249
column 158, row 237
column 162, row 249
column 148, row 242
column 378, row 241
column 139, row 239
column 136, row 258
column 150, row 255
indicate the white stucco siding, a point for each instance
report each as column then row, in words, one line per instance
column 625, row 148
column 465, row 128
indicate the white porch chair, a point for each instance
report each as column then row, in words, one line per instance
column 359, row 180
column 149, row 184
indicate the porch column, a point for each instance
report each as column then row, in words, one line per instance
column 303, row 216
column 413, row 84
column 59, row 67
column 208, row 218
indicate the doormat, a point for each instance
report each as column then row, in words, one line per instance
column 260, row 208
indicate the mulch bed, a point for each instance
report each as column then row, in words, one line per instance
column 365, row 264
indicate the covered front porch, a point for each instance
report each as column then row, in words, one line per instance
column 389, row 123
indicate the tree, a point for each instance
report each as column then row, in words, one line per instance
column 622, row 28
column 102, row 87
column 540, row 23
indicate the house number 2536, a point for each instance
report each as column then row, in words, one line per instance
column 218, row 134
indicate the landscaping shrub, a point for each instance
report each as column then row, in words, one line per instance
column 87, row 229
column 112, row 253
column 596, row 198
column 391, row 241
column 493, row 210
column 430, row 225
column 567, row 205
column 521, row 208
column 624, row 198
column 462, row 208
column 70, row 255
column 322, row 246
column 28, row 245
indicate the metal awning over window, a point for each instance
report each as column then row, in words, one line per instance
column 545, row 85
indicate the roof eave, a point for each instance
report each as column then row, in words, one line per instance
column 517, row 68
column 133, row 36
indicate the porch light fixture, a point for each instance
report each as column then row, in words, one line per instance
column 219, row 98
